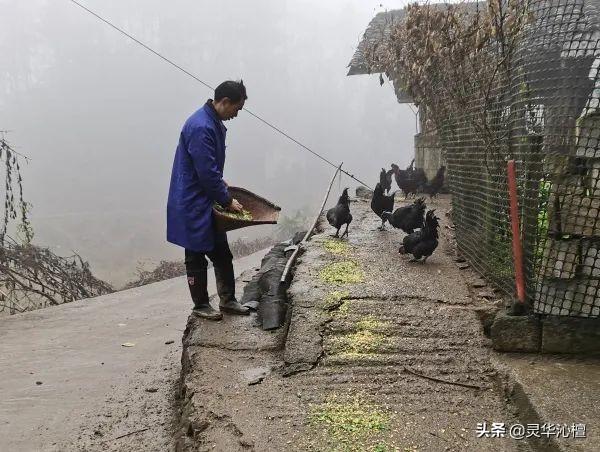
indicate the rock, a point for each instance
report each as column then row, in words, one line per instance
column 363, row 192
column 265, row 287
column 256, row 380
column 463, row 266
column 255, row 375
column 244, row 442
column 169, row 342
column 570, row 335
column 298, row 236
column 478, row 284
column 151, row 390
column 198, row 426
column 38, row 383
column 515, row 333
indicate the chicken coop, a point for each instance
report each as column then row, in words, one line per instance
column 535, row 99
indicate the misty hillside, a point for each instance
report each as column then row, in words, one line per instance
column 100, row 117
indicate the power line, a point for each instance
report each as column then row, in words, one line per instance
column 172, row 63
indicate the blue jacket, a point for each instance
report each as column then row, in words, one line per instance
column 197, row 181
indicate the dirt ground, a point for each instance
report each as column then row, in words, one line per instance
column 390, row 358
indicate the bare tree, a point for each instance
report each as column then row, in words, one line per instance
column 32, row 277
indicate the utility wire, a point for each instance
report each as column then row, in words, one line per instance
column 172, row 63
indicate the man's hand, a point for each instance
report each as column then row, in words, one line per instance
column 235, row 206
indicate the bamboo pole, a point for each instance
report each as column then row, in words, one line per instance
column 294, row 255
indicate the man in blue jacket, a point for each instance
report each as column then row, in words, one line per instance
column 196, row 184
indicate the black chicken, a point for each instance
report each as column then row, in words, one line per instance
column 340, row 214
column 407, row 218
column 421, row 244
column 385, row 179
column 401, row 176
column 380, row 202
column 390, row 177
column 420, row 177
column 410, row 179
column 433, row 187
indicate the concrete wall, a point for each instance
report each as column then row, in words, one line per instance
column 428, row 154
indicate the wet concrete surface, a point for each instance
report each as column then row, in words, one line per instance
column 405, row 318
column 62, row 368
column 234, row 397
column 406, row 342
column 560, row 390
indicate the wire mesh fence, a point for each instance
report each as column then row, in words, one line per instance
column 540, row 107
column 514, row 80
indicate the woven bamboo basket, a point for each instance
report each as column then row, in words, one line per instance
column 263, row 211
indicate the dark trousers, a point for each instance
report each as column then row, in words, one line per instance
column 196, row 267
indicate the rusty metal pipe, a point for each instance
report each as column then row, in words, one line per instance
column 516, row 232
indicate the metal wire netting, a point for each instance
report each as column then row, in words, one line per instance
column 539, row 104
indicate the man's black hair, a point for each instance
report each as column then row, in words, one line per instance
column 235, row 91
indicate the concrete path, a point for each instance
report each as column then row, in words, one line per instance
column 381, row 355
column 361, row 348
column 558, row 390
column 60, row 363
column 397, row 342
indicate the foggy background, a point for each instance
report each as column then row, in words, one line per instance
column 100, row 116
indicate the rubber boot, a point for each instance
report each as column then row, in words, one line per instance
column 225, row 279
column 252, row 305
column 198, row 285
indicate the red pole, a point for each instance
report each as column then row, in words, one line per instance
column 516, row 233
